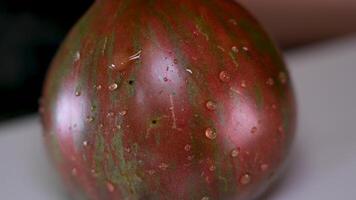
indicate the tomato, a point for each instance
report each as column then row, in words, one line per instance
column 173, row 99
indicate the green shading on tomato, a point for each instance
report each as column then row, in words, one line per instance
column 168, row 99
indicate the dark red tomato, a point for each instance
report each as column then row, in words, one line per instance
column 168, row 99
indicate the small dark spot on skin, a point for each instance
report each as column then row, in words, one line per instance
column 154, row 121
column 131, row 82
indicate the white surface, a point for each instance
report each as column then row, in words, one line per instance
column 323, row 163
column 24, row 170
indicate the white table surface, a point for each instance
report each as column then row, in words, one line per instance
column 323, row 160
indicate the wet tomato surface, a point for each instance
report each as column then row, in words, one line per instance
column 173, row 99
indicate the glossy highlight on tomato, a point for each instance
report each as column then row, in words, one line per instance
column 168, row 99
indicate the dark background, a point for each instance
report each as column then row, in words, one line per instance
column 30, row 33
column 32, row 30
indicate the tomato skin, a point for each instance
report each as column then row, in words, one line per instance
column 174, row 99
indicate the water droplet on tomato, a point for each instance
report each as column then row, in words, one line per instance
column 280, row 129
column 78, row 93
column 245, row 179
column 195, row 33
column 123, row 112
column 85, row 143
column 90, row 119
column 187, row 147
column 74, row 172
column 210, row 105
column 243, row 84
column 274, row 106
column 100, row 126
column 205, row 198
column 151, row 172
column 97, row 87
column 254, row 130
column 234, row 49
column 282, row 77
column 224, row 76
column 210, row 134
column 77, row 56
column 112, row 66
column 113, row 87
column 127, row 149
column 270, row 81
column 235, row 153
column 110, row 187
column 245, row 48
column 163, row 166
column 110, row 114
column 233, row 22
column 189, row 71
column 264, row 167
column 212, row 168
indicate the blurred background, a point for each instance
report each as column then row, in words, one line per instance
column 30, row 33
column 32, row 30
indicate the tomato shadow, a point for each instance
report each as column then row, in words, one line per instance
column 288, row 175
